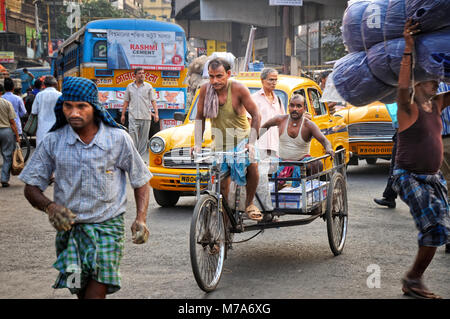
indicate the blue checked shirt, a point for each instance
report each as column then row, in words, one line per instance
column 18, row 106
column 446, row 121
column 90, row 179
column 443, row 87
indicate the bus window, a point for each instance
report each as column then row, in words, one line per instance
column 100, row 50
column 70, row 59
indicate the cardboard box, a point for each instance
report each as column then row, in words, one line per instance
column 290, row 197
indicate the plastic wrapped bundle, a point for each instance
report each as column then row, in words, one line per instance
column 431, row 14
column 395, row 19
column 380, row 57
column 372, row 24
column 351, row 25
column 330, row 94
column 433, row 53
column 355, row 82
column 384, row 62
column 391, row 97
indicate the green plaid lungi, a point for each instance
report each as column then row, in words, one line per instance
column 90, row 251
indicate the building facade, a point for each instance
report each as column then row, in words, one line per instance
column 276, row 26
column 23, row 34
column 158, row 9
column 131, row 7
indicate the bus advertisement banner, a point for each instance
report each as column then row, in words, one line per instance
column 170, row 100
column 151, row 50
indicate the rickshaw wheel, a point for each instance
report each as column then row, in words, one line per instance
column 207, row 243
column 337, row 213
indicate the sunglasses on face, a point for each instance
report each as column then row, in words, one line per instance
column 272, row 80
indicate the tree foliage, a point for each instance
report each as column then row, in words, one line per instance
column 333, row 48
column 90, row 10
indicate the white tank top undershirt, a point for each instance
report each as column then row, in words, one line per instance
column 293, row 148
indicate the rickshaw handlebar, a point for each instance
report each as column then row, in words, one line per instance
column 200, row 157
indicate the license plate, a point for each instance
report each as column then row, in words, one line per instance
column 374, row 150
column 187, row 179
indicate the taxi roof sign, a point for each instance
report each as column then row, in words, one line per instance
column 249, row 74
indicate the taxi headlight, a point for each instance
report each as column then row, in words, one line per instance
column 157, row 144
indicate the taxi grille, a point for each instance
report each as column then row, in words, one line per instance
column 181, row 158
column 374, row 129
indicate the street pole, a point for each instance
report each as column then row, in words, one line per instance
column 36, row 21
column 49, row 28
column 308, row 51
column 248, row 52
column 286, row 39
column 320, row 44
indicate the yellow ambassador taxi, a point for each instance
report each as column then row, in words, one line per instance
column 370, row 132
column 172, row 166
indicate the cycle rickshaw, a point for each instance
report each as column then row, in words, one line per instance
column 322, row 194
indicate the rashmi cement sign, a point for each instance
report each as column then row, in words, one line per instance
column 150, row 50
column 286, row 2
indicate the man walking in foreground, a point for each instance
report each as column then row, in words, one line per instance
column 417, row 178
column 89, row 155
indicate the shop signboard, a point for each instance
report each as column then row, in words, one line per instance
column 6, row 57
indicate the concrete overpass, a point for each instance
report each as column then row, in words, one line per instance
column 230, row 21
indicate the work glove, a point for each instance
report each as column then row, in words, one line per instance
column 139, row 233
column 60, row 217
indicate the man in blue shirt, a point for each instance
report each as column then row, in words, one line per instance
column 30, row 77
column 90, row 156
column 389, row 195
column 17, row 102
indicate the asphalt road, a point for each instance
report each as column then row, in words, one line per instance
column 292, row 262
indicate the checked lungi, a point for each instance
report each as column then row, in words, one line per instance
column 90, row 251
column 426, row 196
column 237, row 166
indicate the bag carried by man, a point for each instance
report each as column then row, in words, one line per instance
column 17, row 162
column 30, row 127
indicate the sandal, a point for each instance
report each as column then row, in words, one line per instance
column 269, row 218
column 415, row 288
column 253, row 213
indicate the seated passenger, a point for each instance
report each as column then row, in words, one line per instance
column 296, row 132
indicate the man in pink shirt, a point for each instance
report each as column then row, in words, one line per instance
column 269, row 106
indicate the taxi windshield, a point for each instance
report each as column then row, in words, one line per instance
column 280, row 94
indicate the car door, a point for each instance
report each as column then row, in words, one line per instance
column 321, row 118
